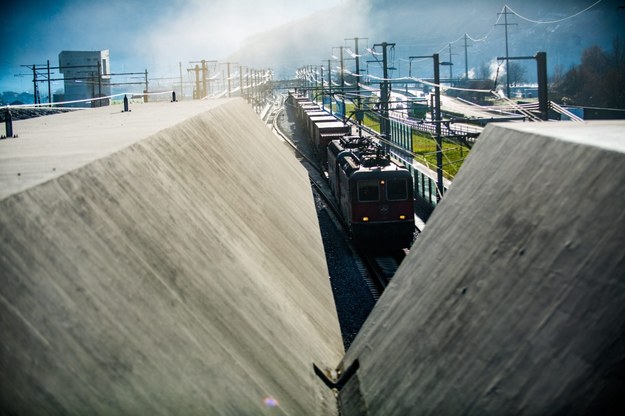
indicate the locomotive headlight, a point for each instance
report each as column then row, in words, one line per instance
column 382, row 182
column 365, row 219
column 402, row 217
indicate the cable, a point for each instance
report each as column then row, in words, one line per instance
column 554, row 21
column 352, row 54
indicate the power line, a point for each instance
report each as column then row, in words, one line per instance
column 554, row 21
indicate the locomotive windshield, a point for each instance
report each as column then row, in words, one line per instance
column 396, row 189
column 368, row 190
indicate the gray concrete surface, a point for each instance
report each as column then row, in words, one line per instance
column 50, row 146
column 512, row 300
column 162, row 261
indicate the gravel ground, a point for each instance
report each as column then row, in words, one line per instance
column 352, row 296
column 31, row 112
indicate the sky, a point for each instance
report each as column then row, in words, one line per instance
column 158, row 35
column 155, row 35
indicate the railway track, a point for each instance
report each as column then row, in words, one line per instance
column 377, row 270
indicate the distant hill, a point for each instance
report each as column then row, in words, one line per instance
column 10, row 97
column 425, row 27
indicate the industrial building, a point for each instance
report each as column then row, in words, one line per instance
column 87, row 76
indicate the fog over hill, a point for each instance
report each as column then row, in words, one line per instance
column 425, row 27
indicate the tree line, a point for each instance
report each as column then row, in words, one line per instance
column 597, row 81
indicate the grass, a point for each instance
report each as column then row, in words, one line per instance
column 424, row 148
column 454, row 154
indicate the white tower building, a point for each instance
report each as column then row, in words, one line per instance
column 87, row 76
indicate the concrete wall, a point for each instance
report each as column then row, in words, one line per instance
column 182, row 274
column 512, row 301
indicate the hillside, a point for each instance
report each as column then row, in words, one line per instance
column 423, row 27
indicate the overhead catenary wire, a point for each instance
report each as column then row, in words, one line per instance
column 554, row 21
column 483, row 38
column 523, row 110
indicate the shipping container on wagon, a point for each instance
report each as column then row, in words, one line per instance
column 305, row 107
column 310, row 126
column 324, row 132
column 308, row 114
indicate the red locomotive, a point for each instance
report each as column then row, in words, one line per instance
column 375, row 194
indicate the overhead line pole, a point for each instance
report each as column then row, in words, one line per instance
column 241, row 81
column 49, row 88
column 228, row 79
column 201, row 92
column 506, row 24
column 385, row 125
column 181, row 81
column 439, row 140
column 330, row 84
column 541, row 68
column 35, row 87
column 466, row 57
column 359, row 112
column 437, row 120
column 204, row 76
column 450, row 67
column 48, row 68
column 342, row 78
column 342, row 72
column 322, row 89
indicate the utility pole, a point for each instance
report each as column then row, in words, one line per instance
column 316, row 78
column 506, row 24
column 228, row 79
column 466, row 59
column 35, row 89
column 257, row 75
column 252, row 90
column 359, row 112
column 49, row 89
column 543, row 99
column 145, row 99
column 322, row 89
column 439, row 140
column 204, row 76
column 247, row 84
column 541, row 68
column 309, row 80
column 330, row 84
column 342, row 78
column 201, row 89
column 436, row 118
column 181, row 84
column 451, row 65
column 241, row 80
column 385, row 124
column 197, row 82
column 342, row 72
column 99, row 103
column 36, row 80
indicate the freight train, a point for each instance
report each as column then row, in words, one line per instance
column 375, row 194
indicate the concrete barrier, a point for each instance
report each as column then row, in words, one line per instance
column 177, row 270
column 512, row 301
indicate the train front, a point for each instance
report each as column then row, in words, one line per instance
column 381, row 207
